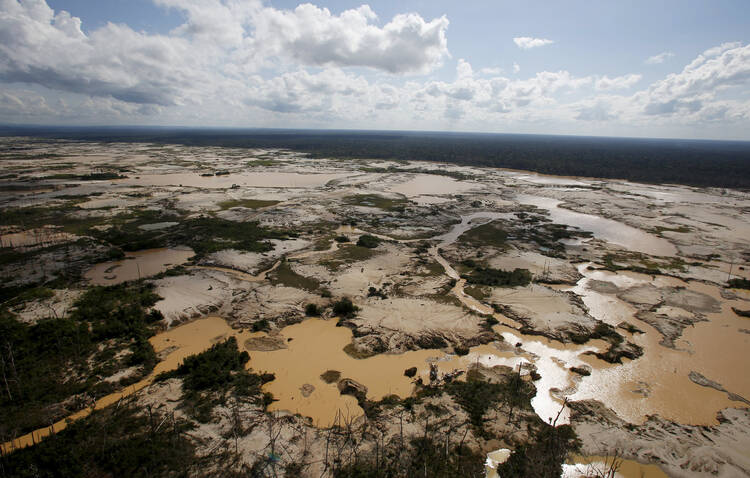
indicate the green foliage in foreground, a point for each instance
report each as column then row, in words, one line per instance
column 211, row 377
column 499, row 277
column 120, row 440
column 421, row 456
column 45, row 363
column 213, row 368
column 544, row 455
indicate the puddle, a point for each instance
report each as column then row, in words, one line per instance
column 259, row 180
column 588, row 466
column 137, row 265
column 606, row 229
column 658, row 382
column 431, row 185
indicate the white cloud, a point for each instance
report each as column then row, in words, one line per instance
column 618, row 82
column 716, row 70
column 526, row 43
column 660, row 58
column 238, row 62
column 313, row 36
column 38, row 46
column 490, row 71
column 219, row 45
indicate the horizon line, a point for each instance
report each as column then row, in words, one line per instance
column 356, row 130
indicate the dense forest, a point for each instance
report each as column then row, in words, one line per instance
column 689, row 162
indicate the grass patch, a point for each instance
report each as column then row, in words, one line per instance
column 498, row 277
column 246, row 203
column 380, row 202
column 348, row 254
column 284, row 275
column 490, row 234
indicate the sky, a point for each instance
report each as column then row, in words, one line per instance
column 657, row 68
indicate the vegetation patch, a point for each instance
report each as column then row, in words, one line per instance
column 331, row 376
column 658, row 230
column 210, row 234
column 211, row 377
column 498, row 277
column 348, row 254
column 366, row 240
column 284, row 275
column 246, row 203
column 480, row 293
column 345, row 308
column 380, row 202
column 738, row 284
column 486, row 235
column 126, row 440
column 58, row 358
column 263, row 162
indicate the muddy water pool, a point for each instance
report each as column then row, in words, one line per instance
column 259, row 179
column 431, row 185
column 602, row 228
column 136, row 265
column 586, row 466
column 658, row 382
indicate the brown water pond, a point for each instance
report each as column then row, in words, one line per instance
column 137, row 265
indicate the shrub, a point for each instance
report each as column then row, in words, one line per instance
column 366, row 240
column 345, row 308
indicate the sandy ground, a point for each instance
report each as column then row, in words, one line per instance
column 681, row 314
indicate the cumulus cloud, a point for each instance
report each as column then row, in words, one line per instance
column 526, row 43
column 660, row 58
column 220, row 42
column 38, row 46
column 300, row 91
column 240, row 62
column 314, row 36
column 618, row 82
column 716, row 70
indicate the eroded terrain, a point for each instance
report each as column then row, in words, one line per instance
column 364, row 287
